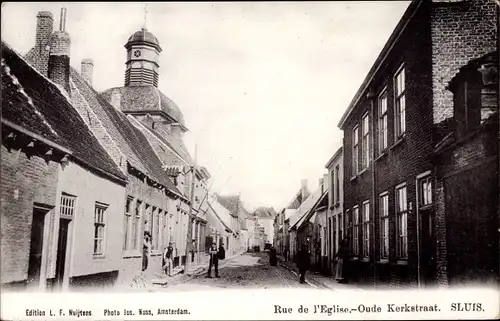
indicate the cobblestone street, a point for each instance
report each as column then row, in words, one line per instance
column 250, row 270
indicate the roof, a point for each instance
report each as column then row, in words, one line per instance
column 233, row 204
column 298, row 199
column 221, row 212
column 335, row 156
column 130, row 140
column 143, row 36
column 410, row 11
column 265, row 212
column 145, row 99
column 313, row 210
column 32, row 101
column 307, row 205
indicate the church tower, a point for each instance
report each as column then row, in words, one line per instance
column 143, row 50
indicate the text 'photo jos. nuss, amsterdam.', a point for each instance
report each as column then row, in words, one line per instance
column 171, row 147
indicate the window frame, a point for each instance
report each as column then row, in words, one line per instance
column 355, row 231
column 355, row 150
column 67, row 206
column 365, row 140
column 337, row 184
column 101, row 223
column 129, row 204
column 401, row 231
column 366, row 229
column 421, row 194
column 399, row 121
column 383, row 141
column 384, row 226
column 136, row 225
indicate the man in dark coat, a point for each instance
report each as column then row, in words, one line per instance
column 214, row 261
column 303, row 262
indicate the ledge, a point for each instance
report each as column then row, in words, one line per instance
column 129, row 255
column 365, row 260
column 400, row 140
column 402, row 262
column 99, row 256
column 382, row 155
column 426, row 207
column 383, row 261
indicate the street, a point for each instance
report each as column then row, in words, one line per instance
column 250, row 270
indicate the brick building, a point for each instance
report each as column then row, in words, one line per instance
column 62, row 194
column 390, row 129
column 468, row 156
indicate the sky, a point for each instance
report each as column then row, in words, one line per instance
column 262, row 85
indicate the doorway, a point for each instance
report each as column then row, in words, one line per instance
column 36, row 247
column 61, row 251
column 428, row 259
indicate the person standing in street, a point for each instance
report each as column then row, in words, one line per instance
column 341, row 256
column 303, row 263
column 213, row 261
column 167, row 257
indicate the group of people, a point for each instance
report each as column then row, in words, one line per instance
column 304, row 262
column 215, row 254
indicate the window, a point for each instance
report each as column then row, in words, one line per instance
column 337, row 184
column 366, row 229
column 382, row 121
column 155, row 228
column 149, row 219
column 425, row 186
column 400, row 105
column 136, row 224
column 355, row 239
column 355, row 148
column 341, row 228
column 366, row 140
column 401, row 218
column 384, row 226
column 334, row 186
column 99, row 228
column 127, row 222
column 67, row 207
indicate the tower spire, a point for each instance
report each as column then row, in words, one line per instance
column 145, row 16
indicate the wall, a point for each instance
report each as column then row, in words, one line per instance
column 24, row 182
column 460, row 32
column 89, row 189
column 132, row 260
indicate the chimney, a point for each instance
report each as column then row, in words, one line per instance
column 87, row 70
column 320, row 185
column 60, row 44
column 303, row 188
column 325, row 182
column 44, row 27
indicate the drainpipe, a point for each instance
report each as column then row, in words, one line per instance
column 371, row 96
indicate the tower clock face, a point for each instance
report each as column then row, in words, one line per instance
column 137, row 53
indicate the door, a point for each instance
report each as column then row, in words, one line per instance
column 36, row 247
column 428, row 260
column 61, row 251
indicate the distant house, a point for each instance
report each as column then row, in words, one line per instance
column 238, row 213
column 62, row 194
column 265, row 217
column 335, row 167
